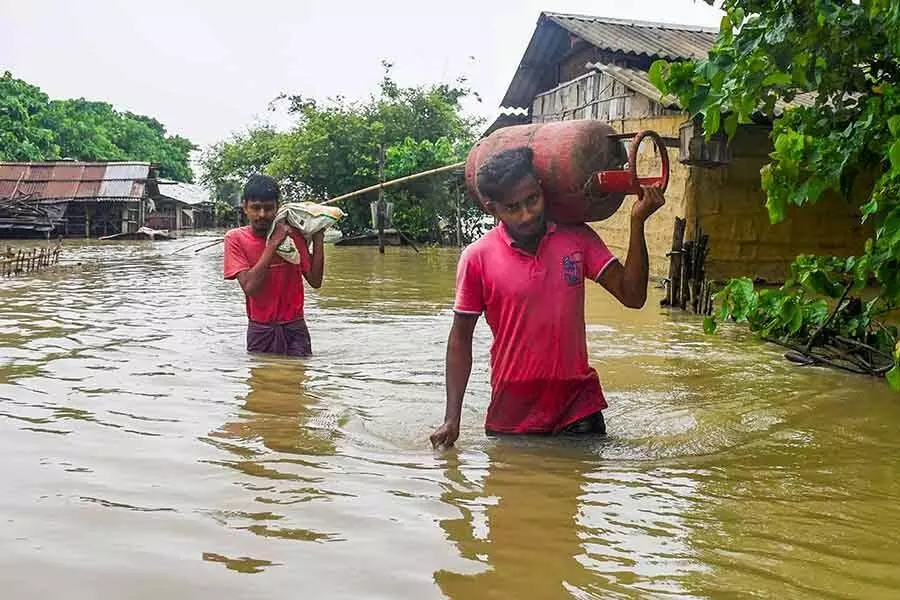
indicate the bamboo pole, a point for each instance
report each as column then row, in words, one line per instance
column 398, row 181
column 379, row 207
column 215, row 243
column 191, row 245
column 371, row 188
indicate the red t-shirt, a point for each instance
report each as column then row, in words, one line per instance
column 540, row 377
column 281, row 298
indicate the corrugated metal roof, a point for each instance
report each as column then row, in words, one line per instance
column 57, row 181
column 641, row 38
column 806, row 99
column 506, row 120
column 187, row 193
column 551, row 41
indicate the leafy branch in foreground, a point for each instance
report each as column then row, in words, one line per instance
column 844, row 57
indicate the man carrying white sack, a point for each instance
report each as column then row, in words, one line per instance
column 270, row 259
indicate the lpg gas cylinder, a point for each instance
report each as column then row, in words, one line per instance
column 567, row 156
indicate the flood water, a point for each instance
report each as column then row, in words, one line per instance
column 145, row 455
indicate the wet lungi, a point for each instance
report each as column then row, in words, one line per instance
column 289, row 339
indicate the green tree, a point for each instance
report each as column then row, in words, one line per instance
column 334, row 149
column 848, row 54
column 228, row 164
column 33, row 127
column 22, row 136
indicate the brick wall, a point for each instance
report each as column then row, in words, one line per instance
column 729, row 205
column 731, row 208
column 727, row 202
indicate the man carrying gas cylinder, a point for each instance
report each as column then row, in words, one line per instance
column 527, row 276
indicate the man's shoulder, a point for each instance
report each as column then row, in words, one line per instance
column 238, row 231
column 238, row 234
column 580, row 233
column 575, row 229
column 483, row 244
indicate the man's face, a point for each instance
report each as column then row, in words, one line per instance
column 522, row 210
column 260, row 213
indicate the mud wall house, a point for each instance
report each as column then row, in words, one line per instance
column 583, row 67
column 179, row 206
column 85, row 199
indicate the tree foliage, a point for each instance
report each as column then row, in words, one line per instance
column 33, row 127
column 226, row 165
column 334, row 148
column 847, row 54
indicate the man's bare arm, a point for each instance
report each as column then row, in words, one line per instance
column 317, row 269
column 458, row 370
column 628, row 283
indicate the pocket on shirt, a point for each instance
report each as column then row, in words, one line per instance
column 573, row 269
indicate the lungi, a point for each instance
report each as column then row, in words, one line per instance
column 289, row 339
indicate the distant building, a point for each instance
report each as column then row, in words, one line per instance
column 180, row 206
column 95, row 199
column 585, row 67
column 83, row 199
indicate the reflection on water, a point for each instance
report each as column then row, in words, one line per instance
column 146, row 454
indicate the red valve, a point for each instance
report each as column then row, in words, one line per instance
column 626, row 180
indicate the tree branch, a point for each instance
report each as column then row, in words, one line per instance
column 828, row 321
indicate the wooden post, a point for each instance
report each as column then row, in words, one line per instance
column 686, row 270
column 379, row 207
column 674, row 292
column 458, row 218
column 700, row 272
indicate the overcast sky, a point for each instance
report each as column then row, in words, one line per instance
column 207, row 68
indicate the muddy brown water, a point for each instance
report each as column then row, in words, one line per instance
column 146, row 455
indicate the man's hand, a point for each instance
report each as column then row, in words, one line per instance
column 279, row 235
column 445, row 435
column 318, row 238
column 648, row 203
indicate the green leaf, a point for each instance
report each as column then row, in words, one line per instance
column 725, row 25
column 894, row 125
column 779, row 79
column 709, row 325
column 893, row 378
column 657, row 74
column 731, row 125
column 895, row 156
column 869, row 208
column 712, row 121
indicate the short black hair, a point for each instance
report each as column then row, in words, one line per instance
column 261, row 187
column 500, row 172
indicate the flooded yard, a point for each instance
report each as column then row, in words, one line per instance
column 146, row 455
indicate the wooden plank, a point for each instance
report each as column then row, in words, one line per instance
column 687, row 268
column 379, row 212
column 675, row 262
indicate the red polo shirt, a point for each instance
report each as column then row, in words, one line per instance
column 281, row 297
column 540, row 377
